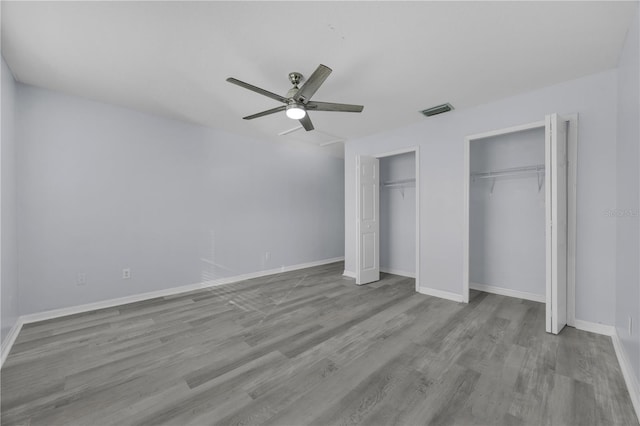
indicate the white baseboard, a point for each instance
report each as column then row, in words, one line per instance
column 62, row 312
column 594, row 327
column 349, row 274
column 508, row 292
column 110, row 303
column 56, row 313
column 441, row 294
column 398, row 272
column 258, row 274
column 627, row 372
column 8, row 342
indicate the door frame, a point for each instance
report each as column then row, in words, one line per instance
column 572, row 173
column 415, row 149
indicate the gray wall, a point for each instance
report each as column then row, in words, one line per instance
column 102, row 188
column 441, row 142
column 628, row 204
column 398, row 215
column 8, row 243
column 507, row 227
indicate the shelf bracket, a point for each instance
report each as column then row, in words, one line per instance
column 540, row 180
column 493, row 184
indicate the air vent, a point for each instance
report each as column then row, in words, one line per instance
column 437, row 109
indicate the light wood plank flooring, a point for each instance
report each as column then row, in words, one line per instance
column 311, row 347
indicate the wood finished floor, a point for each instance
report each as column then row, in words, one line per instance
column 311, row 347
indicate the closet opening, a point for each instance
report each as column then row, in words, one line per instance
column 388, row 215
column 398, row 214
column 507, row 215
column 520, row 215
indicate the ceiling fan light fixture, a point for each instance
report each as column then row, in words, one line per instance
column 295, row 111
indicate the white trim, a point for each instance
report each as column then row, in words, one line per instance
column 508, row 292
column 627, row 372
column 548, row 230
column 418, row 238
column 507, row 130
column 349, row 274
column 572, row 156
column 398, row 272
column 10, row 339
column 441, row 294
column 110, row 303
column 466, row 228
column 397, row 152
column 56, row 313
column 594, row 327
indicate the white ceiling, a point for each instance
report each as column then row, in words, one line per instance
column 395, row 58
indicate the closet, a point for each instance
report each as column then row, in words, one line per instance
column 398, row 214
column 387, row 218
column 519, row 219
column 507, row 214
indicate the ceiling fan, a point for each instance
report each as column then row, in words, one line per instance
column 298, row 100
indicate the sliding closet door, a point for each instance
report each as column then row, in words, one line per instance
column 556, row 222
column 367, row 220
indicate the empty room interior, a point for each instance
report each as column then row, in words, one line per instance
column 320, row 213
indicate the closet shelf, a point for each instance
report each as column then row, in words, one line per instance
column 537, row 169
column 397, row 183
column 514, row 171
column 400, row 184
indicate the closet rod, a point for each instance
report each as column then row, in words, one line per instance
column 401, row 182
column 514, row 171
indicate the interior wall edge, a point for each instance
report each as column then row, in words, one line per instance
column 9, row 340
column 9, row 291
column 627, row 250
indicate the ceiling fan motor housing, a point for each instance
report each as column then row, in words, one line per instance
column 295, row 78
column 292, row 92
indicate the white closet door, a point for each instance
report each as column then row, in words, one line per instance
column 368, row 222
column 556, row 222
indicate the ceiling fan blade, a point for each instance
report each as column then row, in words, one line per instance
column 312, row 84
column 257, row 89
column 306, row 122
column 267, row 112
column 330, row 106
